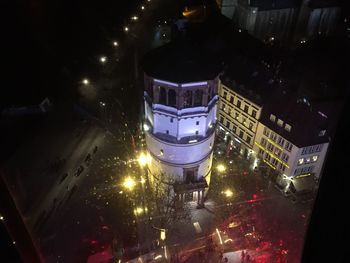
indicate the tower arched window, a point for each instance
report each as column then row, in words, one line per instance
column 187, row 99
column 162, row 95
column 172, row 98
column 198, row 94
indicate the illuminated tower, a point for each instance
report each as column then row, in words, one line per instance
column 180, row 116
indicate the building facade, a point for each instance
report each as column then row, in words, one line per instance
column 180, row 110
column 279, row 132
column 239, row 118
column 285, row 20
column 180, row 120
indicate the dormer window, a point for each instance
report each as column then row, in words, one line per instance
column 280, row 122
column 288, row 127
column 322, row 133
column 272, row 118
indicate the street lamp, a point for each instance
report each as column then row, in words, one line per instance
column 103, row 59
column 85, row 81
column 129, row 183
column 221, row 168
column 126, row 29
column 228, row 193
column 142, row 159
column 134, row 18
column 115, row 43
column 142, row 7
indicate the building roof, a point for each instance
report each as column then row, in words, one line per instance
column 306, row 119
column 274, row 4
column 181, row 61
column 250, row 79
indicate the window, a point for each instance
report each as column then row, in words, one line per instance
column 254, row 113
column 198, row 94
column 187, row 99
column 288, row 127
column 274, row 162
column 301, row 161
column 288, row 146
column 238, row 103
column 280, row 141
column 267, row 157
column 222, row 119
column 197, row 132
column 272, row 118
column 234, row 128
column 172, row 98
column 283, row 168
column 231, row 99
column 314, row 158
column 261, row 151
column 161, row 152
column 280, row 122
column 270, row 147
column 273, row 136
column 197, row 122
column 277, row 152
column 322, row 133
column 171, row 119
column 236, row 115
column 285, row 157
column 250, row 126
column 308, row 160
column 167, row 131
column 246, row 108
column 241, row 134
column 228, row 124
column 263, row 142
column 248, row 140
column 162, row 95
column 266, row 132
column 224, row 94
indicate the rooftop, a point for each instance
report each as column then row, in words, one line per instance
column 307, row 120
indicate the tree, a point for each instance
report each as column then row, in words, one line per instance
column 167, row 209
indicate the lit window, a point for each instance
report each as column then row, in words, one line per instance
column 254, row 114
column 280, row 122
column 161, row 152
column 307, row 160
column 322, row 133
column 288, row 127
column 314, row 158
column 272, row 118
column 300, row 161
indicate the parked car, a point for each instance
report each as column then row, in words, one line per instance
column 64, row 176
column 79, row 171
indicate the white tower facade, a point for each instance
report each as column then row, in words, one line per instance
column 180, row 120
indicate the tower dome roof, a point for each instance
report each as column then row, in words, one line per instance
column 182, row 61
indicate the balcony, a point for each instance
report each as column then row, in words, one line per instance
column 181, row 188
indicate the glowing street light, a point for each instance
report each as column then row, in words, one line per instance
column 126, row 29
column 115, row 43
column 129, row 183
column 138, row 210
column 134, row 18
column 221, row 168
column 85, row 81
column 142, row 7
column 228, row 193
column 142, row 159
column 103, row 59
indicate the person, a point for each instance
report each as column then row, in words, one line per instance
column 242, row 256
column 247, row 257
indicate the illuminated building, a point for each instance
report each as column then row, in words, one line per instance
column 283, row 20
column 180, row 101
column 270, row 123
